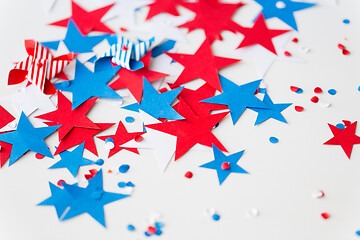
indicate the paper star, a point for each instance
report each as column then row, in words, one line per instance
column 237, row 98
column 260, row 34
column 164, row 6
column 213, row 17
column 5, row 152
column 91, row 199
column 203, row 64
column 133, row 80
column 283, row 10
column 27, row 138
column 5, row 117
column 121, row 137
column 191, row 130
column 73, row 160
column 155, row 104
column 86, row 21
column 79, row 135
column 273, row 111
column 68, row 118
column 346, row 137
column 220, row 159
column 88, row 84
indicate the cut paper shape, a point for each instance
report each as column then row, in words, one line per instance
column 133, row 80
column 273, row 111
column 164, row 47
column 220, row 159
column 27, row 138
column 39, row 67
column 127, row 53
column 5, row 117
column 346, row 137
column 164, row 6
column 5, row 152
column 237, row 98
column 157, row 105
column 191, row 130
column 207, row 18
column 203, row 64
column 69, row 118
column 73, row 160
column 259, row 34
column 86, row 21
column 88, row 84
column 283, row 10
column 121, row 137
column 79, row 135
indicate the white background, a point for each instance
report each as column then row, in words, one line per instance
column 282, row 176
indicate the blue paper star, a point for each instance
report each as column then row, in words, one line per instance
column 91, row 199
column 73, row 160
column 237, row 98
column 274, row 111
column 75, row 41
column 27, row 138
column 155, row 104
column 283, row 10
column 221, row 158
column 88, row 84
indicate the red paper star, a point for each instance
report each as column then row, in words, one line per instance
column 121, row 137
column 260, row 34
column 68, row 118
column 193, row 97
column 203, row 64
column 86, row 21
column 133, row 80
column 213, row 17
column 164, row 6
column 191, row 130
column 5, row 152
column 5, row 117
column 79, row 135
column 346, row 138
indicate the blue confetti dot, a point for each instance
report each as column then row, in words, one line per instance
column 216, row 217
column 359, row 88
column 122, row 184
column 129, row 119
column 346, row 21
column 131, row 228
column 99, row 162
column 124, row 168
column 130, row 184
column 358, row 233
column 299, row 91
column 216, row 125
column 273, row 140
column 107, row 140
column 147, row 234
column 340, row 126
column 159, row 225
column 332, row 91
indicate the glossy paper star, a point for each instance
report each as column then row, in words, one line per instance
column 164, row 6
column 121, row 137
column 27, row 138
column 133, row 80
column 213, row 17
column 68, row 117
column 283, row 10
column 88, row 84
column 220, row 160
column 73, row 160
column 86, row 21
column 346, row 137
column 156, row 104
column 273, row 111
column 237, row 98
column 203, row 64
column 260, row 34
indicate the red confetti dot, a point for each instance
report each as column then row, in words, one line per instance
column 88, row 176
column 294, row 89
column 340, row 46
column 188, row 174
column 325, row 215
column 122, row 29
column 299, row 108
column 60, row 182
column 138, row 138
column 345, row 52
column 318, row 90
column 314, row 99
column 287, row 54
column 295, row 40
column 125, row 48
column 39, row 156
column 93, row 171
column 162, row 90
column 257, row 91
column 151, row 230
column 225, row 166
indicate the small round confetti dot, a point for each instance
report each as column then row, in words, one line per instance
column 60, row 182
column 122, row 184
column 129, row 119
column 299, row 108
column 345, row 52
column 188, row 174
column 280, row 4
column 122, row 29
column 162, row 90
column 138, row 138
column 340, row 126
column 216, row 217
column 299, row 91
column 254, row 212
column 340, row 46
column 318, row 90
column 332, row 91
column 346, row 21
column 130, row 228
column 357, row 233
column 318, row 194
column 99, row 162
column 109, row 143
column 287, row 54
column 314, row 99
column 225, row 166
column 273, row 140
column 151, row 230
column 295, row 40
column 325, row 215
column 39, row 156
column 294, row 89
column 124, row 168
